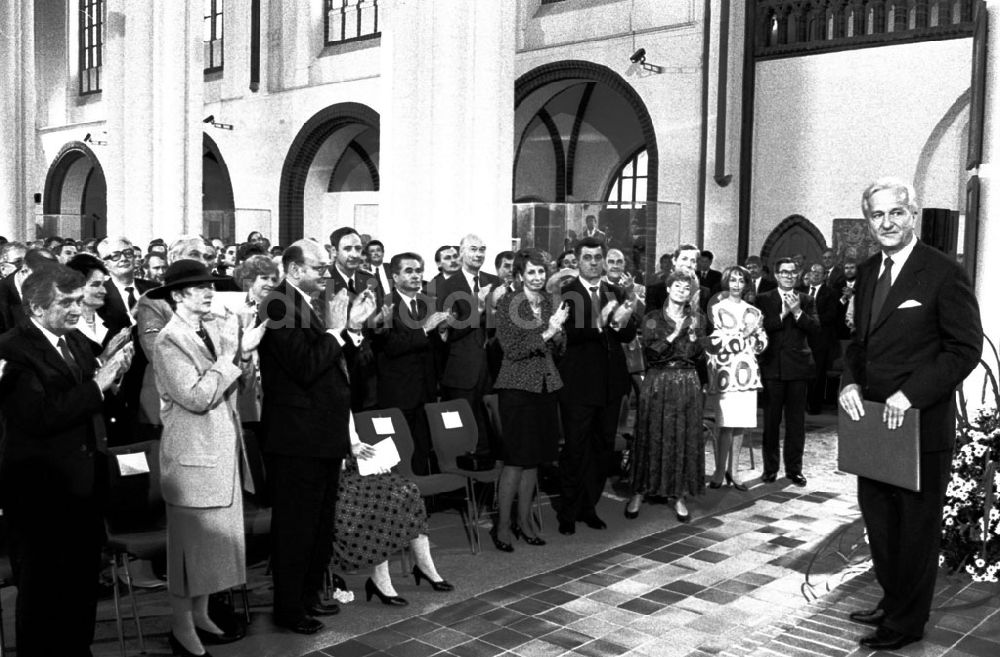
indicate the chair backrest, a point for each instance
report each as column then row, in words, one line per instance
column 374, row 426
column 453, row 430
column 135, row 501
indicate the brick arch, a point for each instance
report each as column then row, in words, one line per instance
column 795, row 222
column 570, row 69
column 67, row 156
column 300, row 155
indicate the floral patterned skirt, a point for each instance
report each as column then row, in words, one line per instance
column 668, row 451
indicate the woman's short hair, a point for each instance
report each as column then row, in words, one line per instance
column 680, row 275
column 562, row 258
column 254, row 266
column 742, row 271
column 86, row 264
column 525, row 256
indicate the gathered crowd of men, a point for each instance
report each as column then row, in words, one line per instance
column 70, row 402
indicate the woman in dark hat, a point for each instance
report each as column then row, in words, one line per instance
column 200, row 361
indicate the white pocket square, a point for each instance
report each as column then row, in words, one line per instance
column 910, row 303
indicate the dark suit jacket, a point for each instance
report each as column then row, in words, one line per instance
column 788, row 356
column 405, row 357
column 361, row 361
column 925, row 349
column 11, row 309
column 467, row 339
column 712, row 279
column 307, row 397
column 50, row 438
column 593, row 368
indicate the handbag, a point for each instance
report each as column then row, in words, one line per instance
column 635, row 362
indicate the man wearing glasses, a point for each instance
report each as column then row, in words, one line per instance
column 123, row 292
column 786, row 366
column 306, row 411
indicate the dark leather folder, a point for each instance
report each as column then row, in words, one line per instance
column 869, row 449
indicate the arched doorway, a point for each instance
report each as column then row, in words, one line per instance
column 796, row 235
column 217, row 204
column 75, row 200
column 330, row 175
column 578, row 126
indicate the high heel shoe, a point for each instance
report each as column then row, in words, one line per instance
column 715, row 484
column 178, row 648
column 740, row 486
column 391, row 600
column 530, row 540
column 631, row 515
column 440, row 585
column 503, row 546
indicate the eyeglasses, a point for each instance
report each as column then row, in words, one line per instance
column 118, row 255
column 320, row 269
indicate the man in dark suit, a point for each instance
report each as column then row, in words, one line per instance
column 306, row 411
column 466, row 369
column 918, row 335
column 123, row 292
column 12, row 311
column 595, row 379
column 833, row 274
column 685, row 258
column 708, row 277
column 345, row 274
column 405, row 355
column 824, row 344
column 52, row 473
column 845, row 302
column 447, row 261
column 376, row 268
column 786, row 366
column 760, row 281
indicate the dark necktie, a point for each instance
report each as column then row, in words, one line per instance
column 595, row 305
column 350, row 286
column 414, row 310
column 812, row 293
column 881, row 292
column 70, row 361
column 131, row 296
column 203, row 334
column 475, row 285
column 317, row 305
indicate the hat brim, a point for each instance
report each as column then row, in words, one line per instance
column 163, row 292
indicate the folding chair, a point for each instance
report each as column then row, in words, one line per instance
column 375, row 426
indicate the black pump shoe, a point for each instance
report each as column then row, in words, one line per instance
column 503, row 546
column 738, row 486
column 391, row 600
column 530, row 540
column 440, row 585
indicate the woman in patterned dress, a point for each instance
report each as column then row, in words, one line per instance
column 378, row 515
column 733, row 371
column 668, row 458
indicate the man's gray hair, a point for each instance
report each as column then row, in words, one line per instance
column 898, row 185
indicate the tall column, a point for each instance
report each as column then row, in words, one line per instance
column 154, row 79
column 988, row 258
column 17, row 115
column 447, row 117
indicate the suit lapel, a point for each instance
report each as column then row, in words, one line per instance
column 908, row 277
column 49, row 353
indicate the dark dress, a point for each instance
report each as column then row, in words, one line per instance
column 668, row 454
column 526, row 385
column 376, row 517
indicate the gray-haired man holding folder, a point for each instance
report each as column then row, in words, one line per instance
column 918, row 335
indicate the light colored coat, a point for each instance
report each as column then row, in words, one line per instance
column 201, row 423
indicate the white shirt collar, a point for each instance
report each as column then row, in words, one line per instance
column 470, row 278
column 49, row 335
column 898, row 259
column 587, row 285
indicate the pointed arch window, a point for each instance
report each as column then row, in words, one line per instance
column 628, row 187
column 213, row 36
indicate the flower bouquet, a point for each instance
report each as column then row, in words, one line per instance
column 971, row 531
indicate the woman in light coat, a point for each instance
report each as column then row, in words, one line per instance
column 199, row 362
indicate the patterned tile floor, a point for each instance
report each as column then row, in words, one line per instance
column 768, row 573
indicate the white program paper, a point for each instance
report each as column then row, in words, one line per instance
column 132, row 464
column 385, row 457
column 452, row 420
column 383, row 426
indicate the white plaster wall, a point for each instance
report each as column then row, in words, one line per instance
column 827, row 125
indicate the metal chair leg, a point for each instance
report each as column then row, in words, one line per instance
column 246, row 603
column 118, row 609
column 135, row 607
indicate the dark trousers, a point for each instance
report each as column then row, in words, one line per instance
column 485, row 445
column 587, row 451
column 788, row 397
column 817, row 387
column 56, row 558
column 303, row 499
column 424, row 461
column 904, row 535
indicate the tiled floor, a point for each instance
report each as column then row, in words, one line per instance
column 769, row 573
